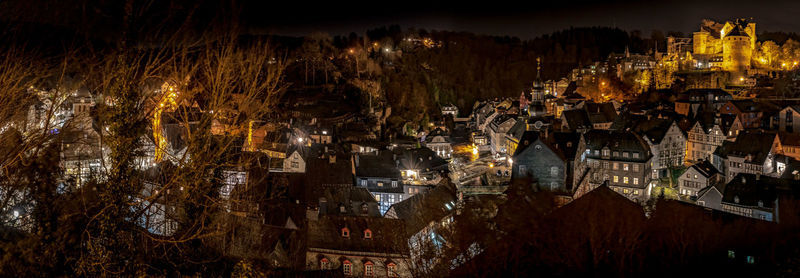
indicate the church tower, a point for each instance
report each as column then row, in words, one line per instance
column 537, row 108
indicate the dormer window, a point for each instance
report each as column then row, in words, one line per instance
column 364, row 208
column 324, row 263
column 342, row 209
column 347, row 267
column 391, row 269
column 368, row 234
column 369, row 269
column 736, row 199
column 345, row 232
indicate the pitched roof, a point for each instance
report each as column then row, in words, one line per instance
column 756, row 144
column 326, row 233
column 376, row 165
column 424, row 208
column 705, row 168
column 749, row 189
column 617, row 141
column 576, row 118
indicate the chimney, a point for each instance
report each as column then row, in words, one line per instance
column 323, row 204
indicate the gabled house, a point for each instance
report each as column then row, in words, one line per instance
column 540, row 158
column 751, row 195
column 620, row 158
column 697, row 177
column 357, row 246
column 666, row 141
column 787, row 120
column 439, row 141
column 752, row 152
column 424, row 216
column 497, row 131
column 379, row 174
column 704, row 137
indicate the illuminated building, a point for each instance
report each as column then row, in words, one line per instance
column 733, row 41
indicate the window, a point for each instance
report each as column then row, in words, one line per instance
column 367, row 234
column 363, row 182
column 391, row 270
column 626, row 191
column 410, row 190
column 324, row 263
column 636, row 167
column 616, row 166
column 616, row 179
column 554, row 171
column 625, row 167
column 394, row 184
column 751, row 260
column 368, row 269
column 635, row 180
column 616, row 154
column 342, row 209
column 606, row 152
column 347, row 267
column 605, row 164
column 625, row 154
column 295, row 164
column 625, row 180
column 636, row 192
column 364, row 208
column 380, row 184
column 345, row 232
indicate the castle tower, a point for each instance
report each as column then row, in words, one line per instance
column 700, row 42
column 737, row 50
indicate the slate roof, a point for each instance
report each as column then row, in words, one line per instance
column 705, row 168
column 420, row 159
column 750, row 189
column 326, row 233
column 517, row 129
column 577, row 119
column 379, row 165
column 757, row 144
column 421, row 209
column 617, row 141
column 655, row 129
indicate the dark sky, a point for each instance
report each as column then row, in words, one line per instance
column 525, row 20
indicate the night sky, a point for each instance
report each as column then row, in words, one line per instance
column 515, row 19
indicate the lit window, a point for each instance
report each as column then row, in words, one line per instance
column 345, row 232
column 380, row 184
column 751, row 260
column 394, row 183
column 367, row 234
column 616, row 179
column 347, row 267
column 625, row 180
column 635, row 180
column 616, row 166
column 625, row 167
